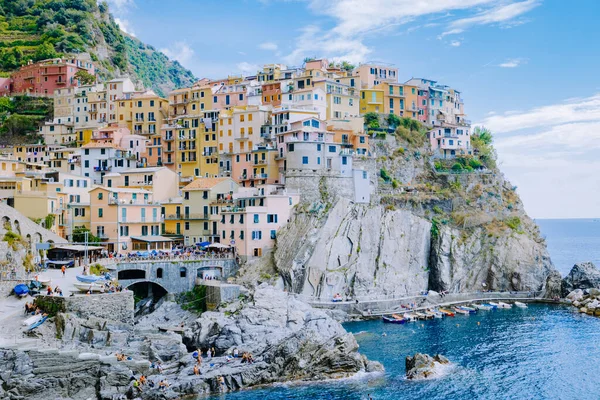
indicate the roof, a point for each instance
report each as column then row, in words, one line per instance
column 78, row 247
column 142, row 170
column 101, row 145
column 152, row 238
column 204, row 183
column 121, row 190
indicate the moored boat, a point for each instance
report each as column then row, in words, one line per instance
column 521, row 305
column 93, row 278
column 447, row 312
column 389, row 320
column 42, row 280
column 491, row 305
column 495, row 305
column 409, row 317
column 504, row 305
column 461, row 311
column 38, row 323
column 482, row 307
column 423, row 315
column 468, row 309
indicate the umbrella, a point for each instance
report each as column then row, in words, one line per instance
column 203, row 244
column 218, row 246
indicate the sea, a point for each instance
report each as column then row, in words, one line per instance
column 543, row 351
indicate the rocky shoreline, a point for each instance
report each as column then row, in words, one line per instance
column 289, row 341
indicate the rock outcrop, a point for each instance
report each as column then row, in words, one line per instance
column 582, row 276
column 423, row 366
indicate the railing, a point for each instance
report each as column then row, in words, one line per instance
column 173, row 217
column 233, row 209
column 137, row 202
column 103, row 168
column 193, row 216
column 140, row 220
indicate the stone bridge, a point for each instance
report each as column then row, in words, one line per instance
column 175, row 276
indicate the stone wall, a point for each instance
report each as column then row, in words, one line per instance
column 111, row 306
column 220, row 293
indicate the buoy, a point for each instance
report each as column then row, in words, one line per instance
column 478, row 323
column 457, row 325
column 422, row 325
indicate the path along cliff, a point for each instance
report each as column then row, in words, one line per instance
column 427, row 227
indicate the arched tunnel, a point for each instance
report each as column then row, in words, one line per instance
column 143, row 290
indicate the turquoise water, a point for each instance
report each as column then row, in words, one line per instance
column 571, row 241
column 542, row 352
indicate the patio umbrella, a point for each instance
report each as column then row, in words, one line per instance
column 218, row 246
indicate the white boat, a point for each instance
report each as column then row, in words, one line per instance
column 409, row 317
column 43, row 280
column 504, row 305
column 482, row 307
column 494, row 304
column 32, row 320
column 84, row 287
column 519, row 304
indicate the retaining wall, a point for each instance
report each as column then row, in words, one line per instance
column 110, row 306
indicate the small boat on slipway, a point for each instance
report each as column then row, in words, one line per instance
column 93, row 278
column 521, row 305
column 461, row 311
column 504, row 305
column 482, row 307
column 93, row 287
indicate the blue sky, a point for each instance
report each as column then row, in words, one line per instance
column 527, row 68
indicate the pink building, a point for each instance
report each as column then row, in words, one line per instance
column 449, row 141
column 45, row 76
column 423, row 101
column 252, row 222
column 227, row 96
column 4, row 86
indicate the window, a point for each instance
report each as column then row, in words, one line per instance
column 362, row 139
column 391, row 104
column 187, row 226
column 100, row 196
column 291, row 147
column 273, row 234
column 256, row 218
column 318, row 147
column 182, row 272
column 364, row 174
column 100, row 213
column 159, row 272
column 332, row 149
column 314, row 123
column 344, row 160
column 271, row 218
column 256, row 235
column 186, row 195
column 305, row 160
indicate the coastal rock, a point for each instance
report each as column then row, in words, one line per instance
column 575, row 295
column 582, row 276
column 422, row 366
column 553, row 285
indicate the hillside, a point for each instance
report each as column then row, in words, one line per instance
column 40, row 29
column 455, row 225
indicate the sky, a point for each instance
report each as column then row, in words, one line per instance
column 527, row 69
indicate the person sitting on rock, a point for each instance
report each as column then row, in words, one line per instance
column 120, row 356
column 250, row 358
column 49, row 291
column 236, row 353
column 137, row 386
column 196, row 370
column 143, row 380
column 221, row 383
column 159, row 368
column 244, row 358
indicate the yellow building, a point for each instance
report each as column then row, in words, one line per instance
column 200, row 215
column 172, row 211
column 400, row 99
column 371, row 101
column 342, row 99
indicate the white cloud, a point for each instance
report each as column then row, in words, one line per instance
column 248, row 69
column 512, row 63
column 181, row 52
column 550, row 152
column 355, row 20
column 125, row 26
column 268, row 46
column 502, row 14
column 455, row 43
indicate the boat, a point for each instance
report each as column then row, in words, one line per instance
column 397, row 316
column 447, row 312
column 38, row 323
column 482, row 307
column 21, row 290
column 32, row 320
column 93, row 278
column 84, row 287
column 434, row 314
column 409, row 317
column 504, row 305
column 521, row 305
column 389, row 320
column 43, row 281
column 423, row 315
column 495, row 305
column 469, row 309
column 461, row 311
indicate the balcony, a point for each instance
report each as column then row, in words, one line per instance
column 102, row 235
column 139, row 119
column 233, row 209
column 260, row 161
column 242, row 138
column 173, row 217
column 102, row 168
column 169, row 162
column 60, row 82
column 198, row 216
column 141, row 220
column 346, row 143
column 168, row 138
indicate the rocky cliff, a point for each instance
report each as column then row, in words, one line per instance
column 425, row 228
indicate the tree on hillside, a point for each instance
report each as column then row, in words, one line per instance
column 45, row 51
column 19, row 125
column 481, row 141
column 482, row 134
column 79, row 235
column 371, row 120
column 393, row 121
column 84, row 77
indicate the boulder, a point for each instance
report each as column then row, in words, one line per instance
column 553, row 285
column 422, row 366
column 582, row 276
column 575, row 295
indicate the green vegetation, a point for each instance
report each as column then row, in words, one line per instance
column 41, row 29
column 482, row 140
column 85, row 77
column 97, row 269
column 411, row 131
column 79, row 235
column 194, row 300
column 49, row 221
column 513, row 223
column 372, row 120
column 393, row 120
column 13, row 239
column 385, row 175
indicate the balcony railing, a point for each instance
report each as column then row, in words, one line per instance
column 192, row 216
column 140, row 220
column 173, row 217
column 103, row 168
